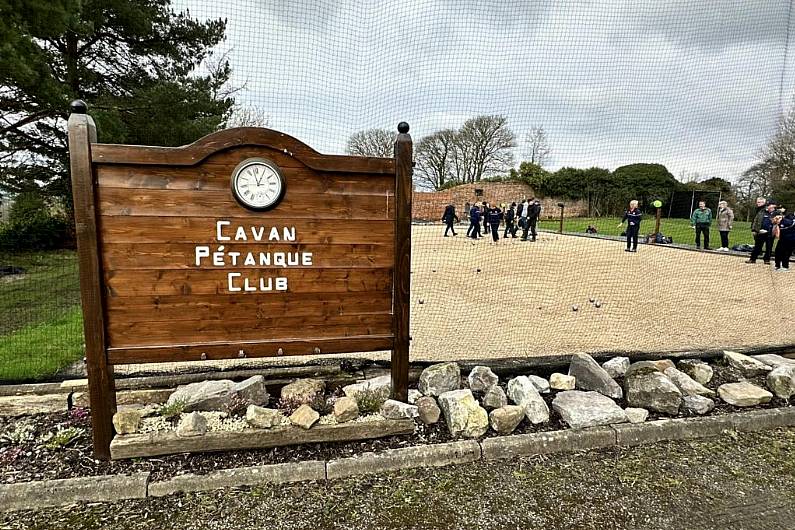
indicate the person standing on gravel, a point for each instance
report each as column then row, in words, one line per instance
column 762, row 229
column 533, row 210
column 786, row 241
column 474, row 222
column 450, row 218
column 494, row 218
column 725, row 220
column 510, row 222
column 632, row 216
column 701, row 219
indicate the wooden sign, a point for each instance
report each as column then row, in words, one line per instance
column 246, row 243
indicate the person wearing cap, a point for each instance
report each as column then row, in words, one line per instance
column 510, row 222
column 725, row 218
column 494, row 219
column 762, row 228
column 449, row 218
column 701, row 219
column 632, row 216
column 784, row 228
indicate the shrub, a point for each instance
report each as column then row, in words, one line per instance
column 370, row 401
column 32, row 226
column 62, row 437
column 172, row 410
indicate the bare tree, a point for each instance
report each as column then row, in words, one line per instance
column 372, row 142
column 537, row 146
column 247, row 116
column 483, row 148
column 434, row 158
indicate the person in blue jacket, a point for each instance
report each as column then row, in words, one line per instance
column 632, row 217
column 495, row 216
column 474, row 222
column 786, row 241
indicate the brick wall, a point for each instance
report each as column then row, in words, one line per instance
column 429, row 206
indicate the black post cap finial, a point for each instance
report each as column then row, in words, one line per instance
column 78, row 106
column 403, row 127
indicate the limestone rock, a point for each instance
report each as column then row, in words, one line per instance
column 781, row 380
column 504, row 420
column 617, row 366
column 127, row 421
column 303, row 391
column 523, row 392
column 463, row 414
column 252, row 390
column 440, row 378
column 494, row 398
column 697, row 405
column 304, row 416
column 636, row 415
column 652, row 391
column 773, row 360
column 193, row 424
column 345, row 409
column 204, row 395
column 590, row 376
column 541, row 384
column 397, row 410
column 745, row 365
column 743, row 394
column 382, row 386
column 263, row 418
column 587, row 409
column 413, row 396
column 688, row 386
column 698, row 370
column 649, row 366
column 481, row 378
column 428, row 411
column 562, row 381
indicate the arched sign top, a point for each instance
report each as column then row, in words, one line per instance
column 192, row 154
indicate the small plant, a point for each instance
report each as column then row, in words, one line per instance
column 290, row 405
column 21, row 433
column 9, row 455
column 370, row 401
column 62, row 437
column 172, row 410
column 237, row 405
column 78, row 415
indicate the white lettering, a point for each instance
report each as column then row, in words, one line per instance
column 292, row 259
column 201, row 252
column 278, row 259
column 250, row 259
column 247, row 287
column 240, row 235
column 232, row 288
column 264, row 259
column 274, row 236
column 306, row 258
column 281, row 284
column 218, row 257
column 289, row 233
column 263, row 286
column 258, row 236
column 234, row 256
column 218, row 235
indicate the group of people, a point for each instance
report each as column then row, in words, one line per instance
column 525, row 215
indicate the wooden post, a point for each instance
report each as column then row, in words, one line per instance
column 657, row 224
column 102, row 393
column 561, row 206
column 402, row 276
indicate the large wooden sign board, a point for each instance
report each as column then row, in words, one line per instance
column 246, row 243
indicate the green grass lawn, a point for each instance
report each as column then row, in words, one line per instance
column 678, row 229
column 41, row 328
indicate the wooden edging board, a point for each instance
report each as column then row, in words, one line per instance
column 246, row 243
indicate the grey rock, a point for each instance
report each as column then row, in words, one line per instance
column 252, row 390
column 303, row 391
column 697, row 405
column 428, row 411
column 381, row 386
column 523, row 392
column 781, row 380
column 413, row 396
column 745, row 365
column 127, row 421
column 541, row 384
column 617, row 366
column 743, row 394
column 481, row 378
column 397, row 410
column 649, row 366
column 636, row 415
column 304, row 417
column 773, row 360
column 652, row 391
column 494, row 398
column 193, row 424
column 590, row 376
column 345, row 409
column 263, row 418
column 204, row 395
column 698, row 370
column 440, row 378
column 587, row 409
column 688, row 386
column 562, row 381
column 504, row 420
column 463, row 414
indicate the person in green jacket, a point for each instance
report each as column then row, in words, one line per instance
column 700, row 220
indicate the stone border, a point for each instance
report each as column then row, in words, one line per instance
column 39, row 494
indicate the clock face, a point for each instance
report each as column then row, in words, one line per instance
column 257, row 184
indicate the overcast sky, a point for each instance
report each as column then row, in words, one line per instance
column 694, row 84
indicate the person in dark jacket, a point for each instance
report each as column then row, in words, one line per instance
column 474, row 222
column 786, row 241
column 632, row 216
column 533, row 213
column 485, row 216
column 494, row 218
column 449, row 218
column 762, row 229
column 510, row 221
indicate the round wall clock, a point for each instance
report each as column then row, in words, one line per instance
column 257, row 184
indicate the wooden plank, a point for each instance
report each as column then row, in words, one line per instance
column 82, row 132
column 213, row 307
column 239, row 138
column 251, row 349
column 196, row 230
column 128, row 334
column 167, row 443
column 402, row 271
column 186, row 282
column 164, row 256
column 211, row 177
column 189, row 203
